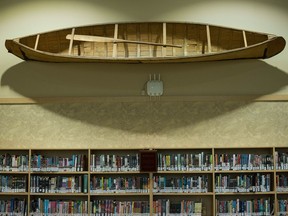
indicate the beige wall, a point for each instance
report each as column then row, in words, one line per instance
column 142, row 124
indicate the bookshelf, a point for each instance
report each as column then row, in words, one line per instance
column 196, row 181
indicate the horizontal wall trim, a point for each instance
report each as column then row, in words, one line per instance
column 45, row 100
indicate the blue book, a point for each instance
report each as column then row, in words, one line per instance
column 46, row 206
column 85, row 183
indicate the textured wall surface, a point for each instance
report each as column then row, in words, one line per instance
column 144, row 124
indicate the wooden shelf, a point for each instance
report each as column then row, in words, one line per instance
column 120, row 194
column 13, row 172
column 183, row 194
column 115, row 173
column 244, row 171
column 185, row 172
column 246, row 193
column 14, row 193
column 59, row 194
column 59, row 173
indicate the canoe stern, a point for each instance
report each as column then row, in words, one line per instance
column 13, row 47
column 275, row 46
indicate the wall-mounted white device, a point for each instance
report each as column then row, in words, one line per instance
column 154, row 86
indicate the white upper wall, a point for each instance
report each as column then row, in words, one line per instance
column 24, row 17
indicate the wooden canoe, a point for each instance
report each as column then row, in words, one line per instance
column 153, row 42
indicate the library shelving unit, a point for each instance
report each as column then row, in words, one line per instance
column 14, row 177
column 244, row 181
column 194, row 182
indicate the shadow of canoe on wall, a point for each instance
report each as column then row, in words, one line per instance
column 225, row 78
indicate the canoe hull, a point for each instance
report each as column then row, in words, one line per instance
column 263, row 49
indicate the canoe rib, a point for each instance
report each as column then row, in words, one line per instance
column 208, row 38
column 244, row 38
column 36, row 42
column 146, row 43
column 115, row 38
column 71, row 41
column 164, row 40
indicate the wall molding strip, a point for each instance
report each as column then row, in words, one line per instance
column 51, row 100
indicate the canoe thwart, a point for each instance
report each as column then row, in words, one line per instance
column 90, row 38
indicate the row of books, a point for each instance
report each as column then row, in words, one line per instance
column 184, row 162
column 283, row 207
column 13, row 206
column 14, row 162
column 58, row 207
column 184, row 207
column 10, row 183
column 282, row 183
column 281, row 159
column 115, row 207
column 243, row 183
column 244, row 207
column 193, row 184
column 130, row 162
column 43, row 163
column 243, row 162
column 119, row 184
column 114, row 163
column 59, row 184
